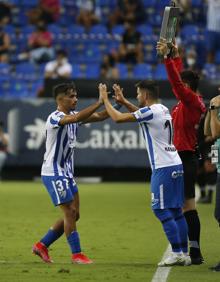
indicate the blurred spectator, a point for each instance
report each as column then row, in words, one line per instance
column 88, row 13
column 213, row 29
column 131, row 48
column 5, row 13
column 191, row 59
column 3, row 147
column 4, row 45
column 130, row 51
column 47, row 10
column 128, row 10
column 108, row 69
column 60, row 67
column 185, row 11
column 39, row 45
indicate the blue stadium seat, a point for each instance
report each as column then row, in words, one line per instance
column 34, row 87
column 29, row 3
column 4, row 71
column 77, row 71
column 15, row 2
column 92, row 71
column 217, row 57
column 92, row 54
column 4, row 86
column 26, row 71
column 210, row 71
column 21, row 18
column 75, row 30
column 145, row 29
column 98, row 31
column 149, row 3
column 18, row 89
column 118, row 30
column 189, row 33
column 55, row 30
column 123, row 70
column 161, row 4
column 10, row 29
column 142, row 71
column 160, row 72
column 27, row 30
column 196, row 3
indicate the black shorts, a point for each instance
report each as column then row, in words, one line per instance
column 189, row 160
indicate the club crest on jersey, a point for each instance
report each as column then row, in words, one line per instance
column 177, row 173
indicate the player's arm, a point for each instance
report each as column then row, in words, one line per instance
column 207, row 128
column 113, row 113
column 120, row 99
column 181, row 92
column 214, row 117
column 95, row 117
column 82, row 115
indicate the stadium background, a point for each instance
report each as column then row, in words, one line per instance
column 107, row 146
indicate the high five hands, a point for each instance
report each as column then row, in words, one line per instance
column 103, row 94
column 118, row 94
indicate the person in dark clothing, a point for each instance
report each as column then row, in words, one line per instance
column 128, row 10
column 206, row 174
column 212, row 128
column 131, row 48
column 186, row 117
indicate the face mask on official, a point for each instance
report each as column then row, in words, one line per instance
column 190, row 61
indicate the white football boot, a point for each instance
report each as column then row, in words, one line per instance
column 173, row 259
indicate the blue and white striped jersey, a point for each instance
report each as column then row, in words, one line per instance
column 60, row 145
column 156, row 124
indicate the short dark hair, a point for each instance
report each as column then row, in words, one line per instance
column 61, row 52
column 151, row 86
column 191, row 78
column 63, row 88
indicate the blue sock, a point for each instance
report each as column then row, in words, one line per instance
column 183, row 229
column 74, row 242
column 170, row 228
column 51, row 237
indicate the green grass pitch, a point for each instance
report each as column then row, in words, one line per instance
column 117, row 228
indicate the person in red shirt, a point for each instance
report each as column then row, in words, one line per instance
column 40, row 47
column 186, row 117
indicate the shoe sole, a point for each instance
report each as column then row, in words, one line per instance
column 37, row 253
column 80, row 262
column 178, row 263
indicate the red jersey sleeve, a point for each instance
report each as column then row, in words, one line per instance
column 182, row 93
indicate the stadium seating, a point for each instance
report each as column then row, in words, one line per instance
column 122, row 70
column 142, row 71
column 86, row 49
column 160, row 72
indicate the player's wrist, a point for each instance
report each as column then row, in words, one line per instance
column 213, row 107
column 117, row 106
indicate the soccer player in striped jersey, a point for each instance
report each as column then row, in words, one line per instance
column 167, row 170
column 58, row 166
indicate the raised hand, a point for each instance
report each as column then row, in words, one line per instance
column 103, row 94
column 162, row 47
column 175, row 50
column 118, row 96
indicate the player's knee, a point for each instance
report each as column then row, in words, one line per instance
column 70, row 212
